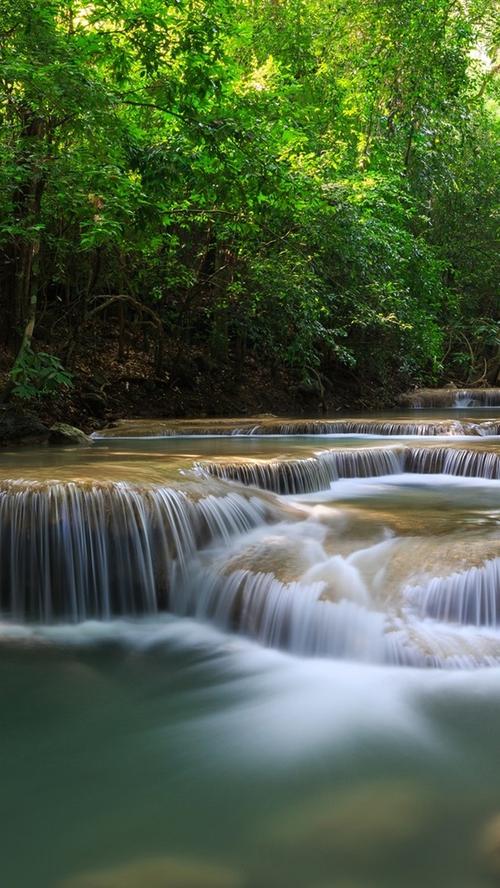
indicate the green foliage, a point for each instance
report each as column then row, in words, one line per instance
column 312, row 182
column 37, row 373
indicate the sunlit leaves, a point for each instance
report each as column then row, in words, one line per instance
column 314, row 178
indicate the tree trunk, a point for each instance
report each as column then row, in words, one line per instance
column 31, row 281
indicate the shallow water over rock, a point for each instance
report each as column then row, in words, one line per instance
column 441, row 422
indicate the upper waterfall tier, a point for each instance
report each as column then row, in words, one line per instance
column 389, row 424
column 452, row 397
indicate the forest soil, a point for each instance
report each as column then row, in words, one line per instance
column 108, row 386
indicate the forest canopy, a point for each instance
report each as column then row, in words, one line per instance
column 308, row 184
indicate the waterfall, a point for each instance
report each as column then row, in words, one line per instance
column 452, row 397
column 462, row 401
column 361, row 427
column 311, row 474
column 74, row 551
column 308, row 617
column 77, row 551
column 451, row 427
column 319, row 471
column 292, row 616
column 238, row 428
column 453, row 461
column 469, row 597
column 292, row 577
column 430, row 644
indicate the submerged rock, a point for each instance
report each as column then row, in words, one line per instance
column 489, row 846
column 62, row 433
column 158, row 872
column 370, row 820
column 20, row 427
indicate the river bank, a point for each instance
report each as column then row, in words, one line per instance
column 108, row 387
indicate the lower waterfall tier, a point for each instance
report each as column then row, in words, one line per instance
column 367, row 580
column 74, row 551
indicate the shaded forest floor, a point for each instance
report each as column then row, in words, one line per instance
column 109, row 385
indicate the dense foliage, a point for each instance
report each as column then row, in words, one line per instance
column 313, row 182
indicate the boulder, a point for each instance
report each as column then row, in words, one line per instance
column 63, row 434
column 18, row 426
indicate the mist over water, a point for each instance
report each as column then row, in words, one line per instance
column 257, row 663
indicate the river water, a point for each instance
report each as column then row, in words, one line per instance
column 256, row 660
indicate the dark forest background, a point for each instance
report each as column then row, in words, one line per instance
column 228, row 205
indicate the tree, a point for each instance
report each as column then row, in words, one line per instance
column 312, row 183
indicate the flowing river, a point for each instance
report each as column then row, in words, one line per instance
column 253, row 654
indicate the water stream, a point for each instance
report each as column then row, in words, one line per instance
column 260, row 660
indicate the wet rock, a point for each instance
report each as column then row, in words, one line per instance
column 20, row 427
column 274, row 555
column 62, row 433
column 158, row 872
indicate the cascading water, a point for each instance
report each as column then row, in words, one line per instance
column 355, row 427
column 289, row 587
column 404, row 425
column 294, row 616
column 471, row 597
column 319, row 471
column 73, row 551
column 314, row 473
column 453, row 461
column 309, row 578
column 275, row 636
column 452, row 397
